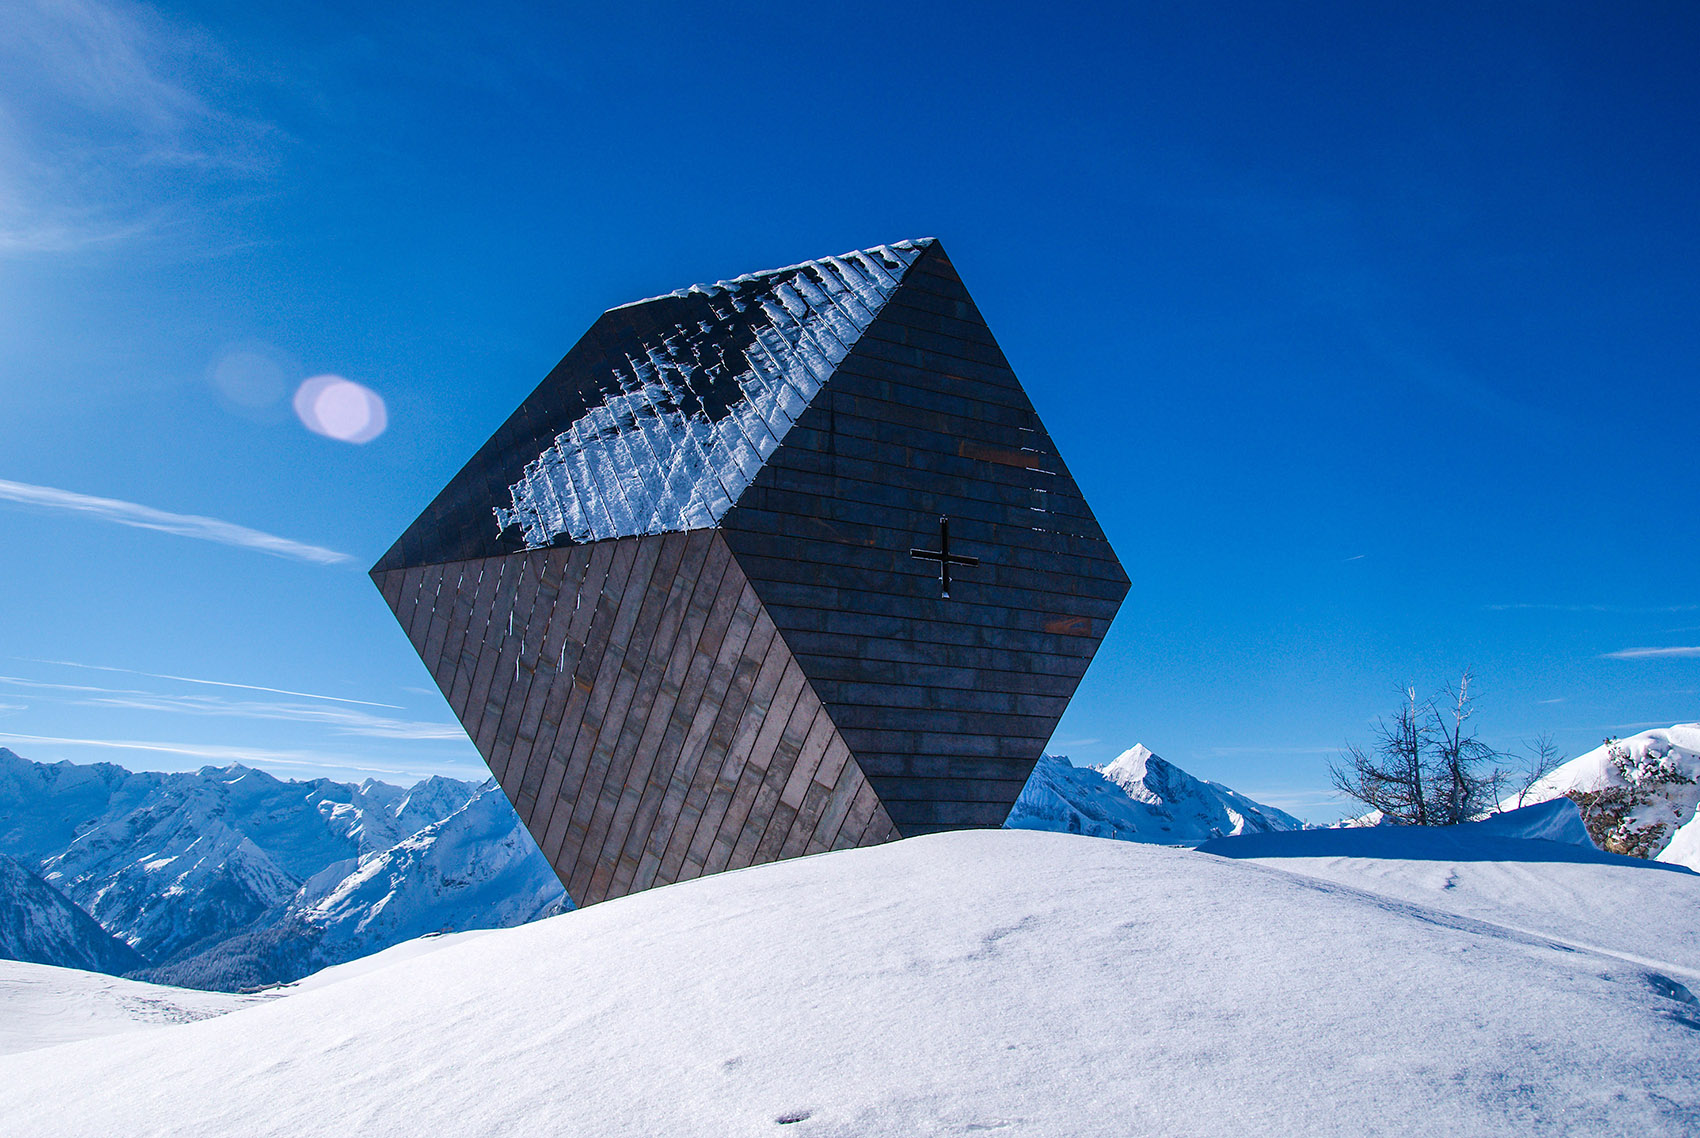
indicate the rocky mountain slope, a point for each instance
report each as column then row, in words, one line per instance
column 38, row 923
column 476, row 868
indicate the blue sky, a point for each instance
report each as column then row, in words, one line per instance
column 1370, row 334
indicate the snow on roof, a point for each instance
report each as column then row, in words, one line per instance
column 689, row 411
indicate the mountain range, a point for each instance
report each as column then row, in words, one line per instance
column 228, row 877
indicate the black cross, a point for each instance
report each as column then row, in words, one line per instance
column 944, row 557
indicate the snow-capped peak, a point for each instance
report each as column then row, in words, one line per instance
column 1127, row 770
column 1138, row 797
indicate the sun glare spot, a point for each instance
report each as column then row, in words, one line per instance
column 341, row 409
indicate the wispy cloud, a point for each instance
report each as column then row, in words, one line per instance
column 343, row 720
column 1615, row 610
column 1295, row 802
column 221, row 683
column 183, row 525
column 112, row 119
column 1651, row 653
column 259, row 756
column 1225, row 751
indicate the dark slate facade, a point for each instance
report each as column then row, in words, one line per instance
column 688, row 599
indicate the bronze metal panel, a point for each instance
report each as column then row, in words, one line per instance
column 700, row 797
column 472, row 638
column 424, row 593
column 837, row 806
column 768, row 804
column 662, row 746
column 493, row 634
column 563, row 571
column 590, row 692
column 454, row 636
column 692, row 749
column 389, row 587
column 560, row 713
column 756, row 762
column 501, row 718
column 656, row 694
column 736, row 752
column 616, row 620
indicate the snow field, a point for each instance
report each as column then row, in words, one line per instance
column 984, row 981
column 44, row 1006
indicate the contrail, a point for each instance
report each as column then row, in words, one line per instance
column 311, row 760
column 183, row 525
column 1651, row 653
column 212, row 683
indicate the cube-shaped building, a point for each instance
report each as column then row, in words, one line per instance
column 762, row 568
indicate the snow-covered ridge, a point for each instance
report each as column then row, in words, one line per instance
column 230, row 878
column 1138, row 797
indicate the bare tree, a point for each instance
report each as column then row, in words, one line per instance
column 1466, row 770
column 1427, row 766
column 1540, row 758
column 1391, row 777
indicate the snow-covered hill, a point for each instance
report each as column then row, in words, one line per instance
column 1004, row 982
column 228, row 877
column 1642, row 792
column 1141, row 798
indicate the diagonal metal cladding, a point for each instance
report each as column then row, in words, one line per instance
column 638, row 708
column 674, row 602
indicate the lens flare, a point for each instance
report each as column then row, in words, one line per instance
column 340, row 409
